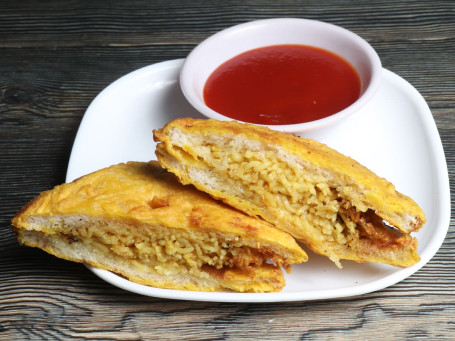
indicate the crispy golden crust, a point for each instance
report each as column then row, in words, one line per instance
column 377, row 192
column 127, row 205
column 197, row 151
column 147, row 193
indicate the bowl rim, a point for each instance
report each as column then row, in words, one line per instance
column 187, row 74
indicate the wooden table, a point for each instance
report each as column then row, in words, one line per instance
column 55, row 57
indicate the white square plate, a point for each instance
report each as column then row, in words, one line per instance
column 394, row 135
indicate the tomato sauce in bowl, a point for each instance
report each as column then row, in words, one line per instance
column 282, row 84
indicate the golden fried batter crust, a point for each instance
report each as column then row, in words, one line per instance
column 273, row 175
column 136, row 219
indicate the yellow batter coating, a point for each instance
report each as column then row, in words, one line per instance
column 137, row 220
column 336, row 206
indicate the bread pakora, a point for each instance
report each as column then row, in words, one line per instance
column 137, row 220
column 327, row 200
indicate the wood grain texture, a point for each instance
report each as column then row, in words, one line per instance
column 55, row 57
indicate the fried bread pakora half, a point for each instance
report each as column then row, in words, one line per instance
column 137, row 220
column 327, row 200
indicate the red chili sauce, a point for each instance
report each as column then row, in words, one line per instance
column 282, row 84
